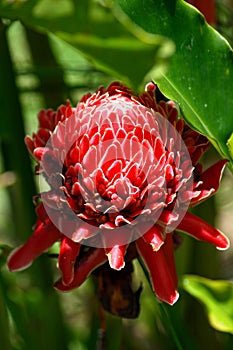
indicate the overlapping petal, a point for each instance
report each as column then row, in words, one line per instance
column 209, row 182
column 161, row 270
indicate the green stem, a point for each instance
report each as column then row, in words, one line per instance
column 110, row 333
column 164, row 312
column 4, row 321
column 113, row 332
column 167, row 319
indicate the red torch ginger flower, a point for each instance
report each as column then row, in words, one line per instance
column 122, row 171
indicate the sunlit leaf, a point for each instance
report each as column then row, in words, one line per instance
column 216, row 296
column 200, row 76
column 230, row 145
column 93, row 29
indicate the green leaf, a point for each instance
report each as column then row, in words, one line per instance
column 92, row 28
column 230, row 145
column 216, row 296
column 200, row 76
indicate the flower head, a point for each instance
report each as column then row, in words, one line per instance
column 123, row 171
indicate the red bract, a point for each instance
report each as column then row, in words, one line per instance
column 122, row 171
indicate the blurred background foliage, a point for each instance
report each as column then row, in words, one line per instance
column 39, row 70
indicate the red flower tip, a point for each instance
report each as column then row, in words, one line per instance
column 29, row 143
column 225, row 242
column 150, row 86
column 80, row 233
column 172, row 299
column 14, row 261
column 154, row 237
column 44, row 236
column 116, row 256
column 201, row 230
column 39, row 152
column 162, row 270
column 69, row 252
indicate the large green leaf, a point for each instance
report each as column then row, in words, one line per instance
column 92, row 28
column 200, row 77
column 217, row 297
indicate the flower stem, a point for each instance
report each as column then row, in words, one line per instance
column 171, row 327
column 4, row 322
column 163, row 311
column 113, row 332
column 110, row 331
